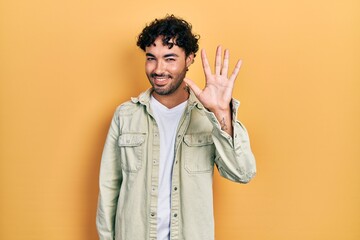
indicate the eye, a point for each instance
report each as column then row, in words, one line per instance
column 170, row 59
column 150, row 59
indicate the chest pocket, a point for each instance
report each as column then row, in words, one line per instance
column 199, row 153
column 131, row 151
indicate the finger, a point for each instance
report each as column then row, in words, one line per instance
column 193, row 86
column 236, row 70
column 218, row 60
column 225, row 68
column 205, row 63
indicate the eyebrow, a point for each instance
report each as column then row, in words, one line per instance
column 171, row 55
column 165, row 56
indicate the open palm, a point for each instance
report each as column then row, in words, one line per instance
column 217, row 94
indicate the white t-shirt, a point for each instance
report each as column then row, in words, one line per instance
column 167, row 121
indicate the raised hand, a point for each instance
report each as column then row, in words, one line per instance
column 217, row 94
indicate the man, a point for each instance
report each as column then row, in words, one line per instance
column 158, row 160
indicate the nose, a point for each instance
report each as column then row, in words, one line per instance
column 159, row 68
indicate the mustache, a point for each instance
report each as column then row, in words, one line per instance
column 160, row 75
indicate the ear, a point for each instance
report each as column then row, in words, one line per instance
column 189, row 60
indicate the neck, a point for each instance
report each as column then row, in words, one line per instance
column 172, row 100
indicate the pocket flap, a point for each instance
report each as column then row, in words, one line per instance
column 131, row 139
column 198, row 139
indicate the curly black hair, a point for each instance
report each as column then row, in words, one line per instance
column 170, row 28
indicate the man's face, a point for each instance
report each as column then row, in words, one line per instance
column 166, row 68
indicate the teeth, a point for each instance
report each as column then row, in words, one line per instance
column 161, row 79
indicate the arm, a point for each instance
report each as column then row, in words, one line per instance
column 234, row 158
column 109, row 182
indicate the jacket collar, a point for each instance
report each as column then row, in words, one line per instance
column 144, row 99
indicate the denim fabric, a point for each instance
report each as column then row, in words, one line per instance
column 130, row 163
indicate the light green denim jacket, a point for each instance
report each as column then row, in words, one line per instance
column 130, row 167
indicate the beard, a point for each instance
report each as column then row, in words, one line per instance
column 175, row 82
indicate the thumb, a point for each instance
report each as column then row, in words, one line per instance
column 193, row 86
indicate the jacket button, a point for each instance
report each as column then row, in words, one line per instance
column 152, row 214
column 175, row 215
column 175, row 188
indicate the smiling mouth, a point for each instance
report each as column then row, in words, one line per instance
column 160, row 79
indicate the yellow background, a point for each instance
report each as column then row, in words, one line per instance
column 66, row 65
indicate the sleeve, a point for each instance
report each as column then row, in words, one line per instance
column 109, row 183
column 234, row 158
